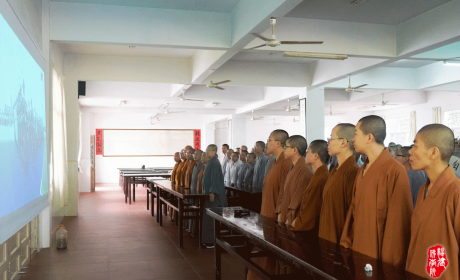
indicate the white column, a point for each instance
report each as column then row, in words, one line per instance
column 44, row 228
column 238, row 131
column 312, row 109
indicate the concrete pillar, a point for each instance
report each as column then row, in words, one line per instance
column 238, row 130
column 312, row 114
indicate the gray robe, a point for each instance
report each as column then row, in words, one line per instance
column 225, row 161
column 416, row 179
column 269, row 163
column 248, row 175
column 259, row 173
column 196, row 170
column 212, row 182
column 241, row 172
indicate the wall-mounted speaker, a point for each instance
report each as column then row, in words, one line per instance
column 81, row 88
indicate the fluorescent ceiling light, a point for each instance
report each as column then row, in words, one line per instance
column 209, row 105
column 452, row 63
column 315, row 55
column 122, row 102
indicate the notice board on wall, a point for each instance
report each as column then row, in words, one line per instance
column 146, row 142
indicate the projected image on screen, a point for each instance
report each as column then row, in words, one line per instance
column 23, row 163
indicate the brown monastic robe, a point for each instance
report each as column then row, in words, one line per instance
column 378, row 220
column 296, row 183
column 199, row 188
column 305, row 209
column 273, row 184
column 436, row 221
column 183, row 171
column 174, row 172
column 178, row 173
column 337, row 199
column 188, row 173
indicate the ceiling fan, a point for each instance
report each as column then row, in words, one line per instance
column 290, row 108
column 384, row 103
column 182, row 98
column 272, row 42
column 331, row 114
column 211, row 84
column 294, row 120
column 352, row 89
column 166, row 110
column 274, row 123
column 254, row 118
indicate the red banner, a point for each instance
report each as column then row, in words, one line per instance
column 99, row 142
column 197, row 139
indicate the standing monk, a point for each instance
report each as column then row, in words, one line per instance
column 228, row 166
column 297, row 179
column 304, row 210
column 339, row 186
column 273, row 185
column 378, row 220
column 213, row 185
column 176, row 166
column 259, row 167
column 199, row 185
column 225, row 160
column 242, row 170
column 436, row 218
column 196, row 169
column 189, row 172
column 177, row 178
column 183, row 169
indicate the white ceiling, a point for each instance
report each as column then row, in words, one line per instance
column 125, row 50
column 390, row 12
column 410, row 63
column 269, row 56
column 216, row 6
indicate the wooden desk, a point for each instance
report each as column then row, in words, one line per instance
column 309, row 256
column 247, row 199
column 182, row 195
column 128, row 179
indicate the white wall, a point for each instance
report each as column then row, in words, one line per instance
column 260, row 130
column 106, row 167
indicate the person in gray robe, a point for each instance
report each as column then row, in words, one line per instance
column 416, row 178
column 242, row 170
column 228, row 167
column 225, row 160
column 249, row 173
column 259, row 168
column 213, row 185
column 270, row 160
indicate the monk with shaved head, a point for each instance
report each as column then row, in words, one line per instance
column 176, row 166
column 339, row 186
column 273, row 187
column 378, row 220
column 178, row 175
column 436, row 218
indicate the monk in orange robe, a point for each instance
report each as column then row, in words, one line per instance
column 304, row 210
column 297, row 179
column 273, row 185
column 378, row 220
column 176, row 166
column 177, row 176
column 199, row 185
column 183, row 169
column 189, row 171
column 339, row 186
column 436, row 217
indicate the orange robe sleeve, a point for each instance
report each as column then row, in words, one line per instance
column 336, row 200
column 378, row 221
column 436, row 221
column 183, row 171
column 306, row 211
column 173, row 172
column 178, row 172
column 188, row 174
column 273, row 183
column 199, row 188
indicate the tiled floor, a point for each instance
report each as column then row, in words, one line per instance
column 113, row 240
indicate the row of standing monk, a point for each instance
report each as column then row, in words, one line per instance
column 369, row 208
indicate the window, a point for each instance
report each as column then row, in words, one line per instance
column 398, row 130
column 452, row 120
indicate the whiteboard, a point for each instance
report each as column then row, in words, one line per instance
column 145, row 142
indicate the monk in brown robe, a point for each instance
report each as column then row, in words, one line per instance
column 378, row 220
column 176, row 166
column 178, row 175
column 183, row 169
column 189, row 172
column 273, row 185
column 305, row 209
column 436, row 217
column 339, row 186
column 297, row 179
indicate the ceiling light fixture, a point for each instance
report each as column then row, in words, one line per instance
column 315, row 55
column 122, row 102
column 209, row 105
column 132, row 47
column 452, row 63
